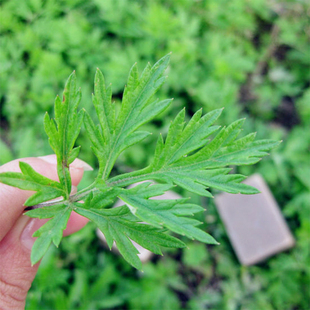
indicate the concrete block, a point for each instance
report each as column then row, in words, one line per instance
column 254, row 223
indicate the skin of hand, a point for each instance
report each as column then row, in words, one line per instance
column 16, row 229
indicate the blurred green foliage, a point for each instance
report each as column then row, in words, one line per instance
column 251, row 57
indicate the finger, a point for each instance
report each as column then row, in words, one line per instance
column 12, row 199
column 75, row 223
column 16, row 273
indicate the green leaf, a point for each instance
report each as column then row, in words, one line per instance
column 164, row 212
column 64, row 130
column 29, row 179
column 50, row 232
column 45, row 212
column 134, row 138
column 119, row 225
column 190, row 160
column 105, row 197
column 96, row 139
column 105, row 109
column 196, row 155
column 116, row 133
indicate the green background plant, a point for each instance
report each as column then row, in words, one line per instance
column 250, row 57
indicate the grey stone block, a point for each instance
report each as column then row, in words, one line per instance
column 254, row 223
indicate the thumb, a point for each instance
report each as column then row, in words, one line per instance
column 16, row 272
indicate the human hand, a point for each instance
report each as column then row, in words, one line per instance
column 16, row 272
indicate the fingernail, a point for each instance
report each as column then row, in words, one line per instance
column 26, row 238
column 77, row 163
column 51, row 159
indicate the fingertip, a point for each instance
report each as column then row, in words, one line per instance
column 75, row 223
column 77, row 167
column 76, row 175
column 78, row 163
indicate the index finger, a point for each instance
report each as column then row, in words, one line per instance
column 12, row 199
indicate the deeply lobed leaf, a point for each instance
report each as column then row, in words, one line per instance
column 190, row 160
column 29, row 179
column 164, row 212
column 116, row 133
column 121, row 226
column 188, row 157
column 64, row 130
column 50, row 232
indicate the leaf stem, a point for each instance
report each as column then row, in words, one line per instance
column 71, row 199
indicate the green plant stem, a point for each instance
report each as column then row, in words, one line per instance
column 86, row 191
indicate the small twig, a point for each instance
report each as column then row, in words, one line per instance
column 72, row 198
column 45, row 204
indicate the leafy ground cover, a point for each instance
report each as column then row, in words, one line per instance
column 250, row 57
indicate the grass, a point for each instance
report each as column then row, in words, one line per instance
column 251, row 58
